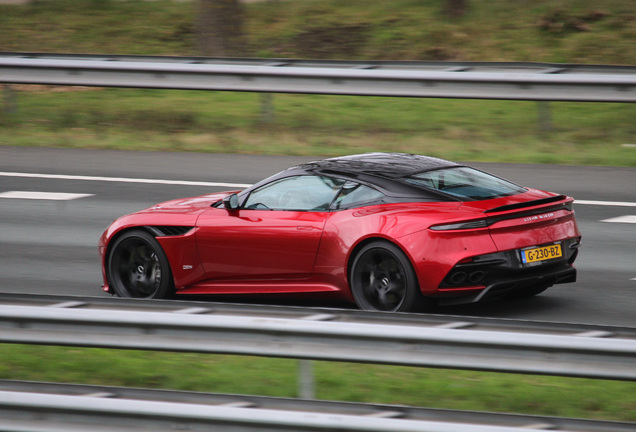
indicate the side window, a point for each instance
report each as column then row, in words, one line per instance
column 301, row 193
column 354, row 194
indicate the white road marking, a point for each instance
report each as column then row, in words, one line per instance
column 54, row 196
column 123, row 180
column 622, row 219
column 217, row 184
column 606, row 203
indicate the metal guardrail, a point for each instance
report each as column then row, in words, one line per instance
column 606, row 353
column 28, row 406
column 185, row 303
column 324, row 334
column 466, row 80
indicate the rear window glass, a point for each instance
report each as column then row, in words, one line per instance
column 465, row 183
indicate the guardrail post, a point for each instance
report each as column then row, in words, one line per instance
column 306, row 379
column 267, row 108
column 10, row 106
column 545, row 116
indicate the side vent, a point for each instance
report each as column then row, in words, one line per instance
column 163, row 231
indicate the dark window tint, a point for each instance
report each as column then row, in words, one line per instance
column 465, row 183
column 355, row 194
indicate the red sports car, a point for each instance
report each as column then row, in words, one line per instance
column 389, row 232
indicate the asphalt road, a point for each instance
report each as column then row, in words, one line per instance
column 50, row 246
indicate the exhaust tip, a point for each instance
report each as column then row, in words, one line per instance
column 458, row 278
column 477, row 276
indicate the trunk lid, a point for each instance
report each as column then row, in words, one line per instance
column 529, row 219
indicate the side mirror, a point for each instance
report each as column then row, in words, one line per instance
column 230, row 202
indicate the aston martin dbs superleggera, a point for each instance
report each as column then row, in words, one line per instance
column 389, row 232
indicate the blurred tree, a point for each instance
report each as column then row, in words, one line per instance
column 219, row 28
column 455, row 8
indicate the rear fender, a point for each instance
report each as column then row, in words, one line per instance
column 435, row 253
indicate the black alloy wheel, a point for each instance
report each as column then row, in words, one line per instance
column 382, row 279
column 138, row 267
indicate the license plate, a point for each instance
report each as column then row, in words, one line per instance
column 541, row 253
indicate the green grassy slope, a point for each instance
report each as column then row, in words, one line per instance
column 582, row 31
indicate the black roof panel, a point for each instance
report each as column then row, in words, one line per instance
column 388, row 165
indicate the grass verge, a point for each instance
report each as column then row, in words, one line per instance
column 449, row 389
column 229, row 122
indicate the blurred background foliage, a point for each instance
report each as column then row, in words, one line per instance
column 582, row 31
column 564, row 31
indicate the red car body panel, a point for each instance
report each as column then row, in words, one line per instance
column 259, row 244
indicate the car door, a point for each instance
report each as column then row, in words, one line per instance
column 275, row 233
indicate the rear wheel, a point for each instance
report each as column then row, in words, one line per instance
column 382, row 279
column 138, row 267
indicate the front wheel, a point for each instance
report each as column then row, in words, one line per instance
column 382, row 279
column 138, row 267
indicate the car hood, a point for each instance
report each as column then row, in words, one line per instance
column 187, row 205
column 178, row 212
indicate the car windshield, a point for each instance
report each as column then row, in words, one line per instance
column 465, row 183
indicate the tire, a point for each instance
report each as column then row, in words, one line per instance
column 138, row 267
column 382, row 279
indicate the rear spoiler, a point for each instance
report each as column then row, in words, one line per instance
column 526, row 204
